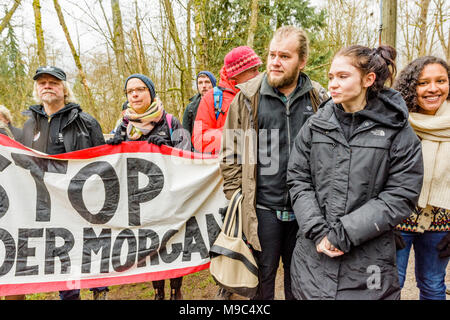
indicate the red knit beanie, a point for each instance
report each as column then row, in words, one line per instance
column 240, row 59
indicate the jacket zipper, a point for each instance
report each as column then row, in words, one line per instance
column 288, row 115
column 49, row 119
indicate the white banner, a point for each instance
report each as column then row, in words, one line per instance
column 104, row 216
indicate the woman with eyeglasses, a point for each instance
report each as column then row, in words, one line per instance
column 144, row 119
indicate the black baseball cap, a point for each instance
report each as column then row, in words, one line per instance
column 53, row 71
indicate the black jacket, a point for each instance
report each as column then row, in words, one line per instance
column 354, row 192
column 10, row 131
column 278, row 124
column 67, row 130
column 191, row 112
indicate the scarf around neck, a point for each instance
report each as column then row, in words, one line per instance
column 140, row 124
column 435, row 134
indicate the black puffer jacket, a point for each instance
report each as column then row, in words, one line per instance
column 67, row 130
column 354, row 192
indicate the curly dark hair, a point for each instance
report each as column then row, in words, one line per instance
column 406, row 81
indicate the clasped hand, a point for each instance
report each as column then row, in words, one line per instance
column 327, row 248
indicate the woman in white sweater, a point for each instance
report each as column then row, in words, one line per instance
column 424, row 84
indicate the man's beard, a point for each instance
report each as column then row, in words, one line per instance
column 286, row 80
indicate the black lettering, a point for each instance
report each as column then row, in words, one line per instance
column 137, row 195
column 193, row 241
column 128, row 236
column 62, row 252
column 23, row 252
column 213, row 228
column 151, row 251
column 4, row 200
column 92, row 243
column 176, row 247
column 38, row 167
column 112, row 191
column 10, row 251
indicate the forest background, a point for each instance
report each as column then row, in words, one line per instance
column 100, row 42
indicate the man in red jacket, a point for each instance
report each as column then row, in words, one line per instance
column 240, row 65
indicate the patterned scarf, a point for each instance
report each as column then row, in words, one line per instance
column 142, row 123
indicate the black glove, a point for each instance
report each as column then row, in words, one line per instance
column 157, row 140
column 115, row 140
column 399, row 242
column 444, row 247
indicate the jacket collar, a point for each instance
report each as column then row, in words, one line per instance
column 326, row 122
column 304, row 85
column 195, row 97
column 39, row 109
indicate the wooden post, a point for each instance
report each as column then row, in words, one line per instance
column 389, row 22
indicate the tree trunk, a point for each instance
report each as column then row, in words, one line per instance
column 424, row 5
column 140, row 43
column 189, row 38
column 389, row 20
column 439, row 26
column 253, row 23
column 118, row 38
column 201, row 52
column 39, row 33
column 9, row 15
column 137, row 51
column 76, row 57
column 186, row 88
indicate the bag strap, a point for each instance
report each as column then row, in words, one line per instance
column 169, row 123
column 230, row 217
column 238, row 224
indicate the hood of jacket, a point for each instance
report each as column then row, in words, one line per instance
column 252, row 86
column 226, row 83
column 388, row 108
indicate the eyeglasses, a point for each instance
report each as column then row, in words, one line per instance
column 138, row 90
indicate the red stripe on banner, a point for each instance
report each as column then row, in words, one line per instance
column 28, row 288
column 106, row 149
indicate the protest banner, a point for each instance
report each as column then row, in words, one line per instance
column 104, row 216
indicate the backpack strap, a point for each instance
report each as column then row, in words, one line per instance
column 218, row 97
column 169, row 123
